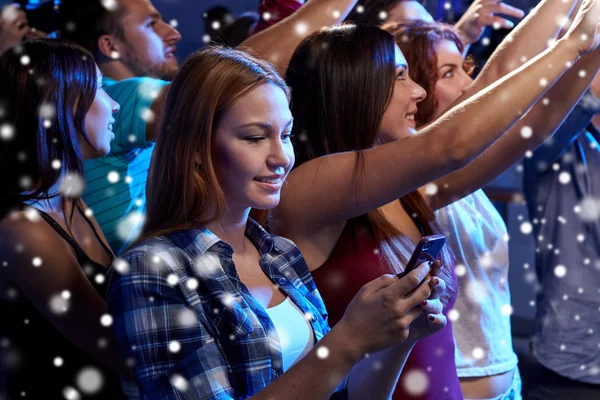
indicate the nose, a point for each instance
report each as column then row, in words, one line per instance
column 171, row 35
column 278, row 157
column 418, row 94
column 114, row 106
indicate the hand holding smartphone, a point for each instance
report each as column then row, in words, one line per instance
column 427, row 249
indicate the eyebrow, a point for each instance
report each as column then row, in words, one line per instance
column 448, row 65
column 405, row 66
column 263, row 125
column 153, row 15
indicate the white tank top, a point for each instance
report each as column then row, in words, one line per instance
column 477, row 234
column 295, row 333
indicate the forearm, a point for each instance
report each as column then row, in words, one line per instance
column 391, row 171
column 377, row 375
column 528, row 133
column 277, row 43
column 546, row 116
column 318, row 374
column 493, row 111
column 525, row 41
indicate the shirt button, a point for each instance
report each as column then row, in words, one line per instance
column 281, row 281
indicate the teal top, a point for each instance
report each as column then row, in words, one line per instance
column 116, row 184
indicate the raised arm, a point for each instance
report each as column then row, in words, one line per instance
column 527, row 40
column 527, row 134
column 277, row 43
column 325, row 191
column 482, row 13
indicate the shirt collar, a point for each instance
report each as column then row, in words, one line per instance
column 204, row 240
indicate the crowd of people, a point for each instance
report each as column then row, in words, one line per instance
column 238, row 226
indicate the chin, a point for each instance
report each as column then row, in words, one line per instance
column 265, row 204
column 103, row 151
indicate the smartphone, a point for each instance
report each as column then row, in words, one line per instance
column 427, row 249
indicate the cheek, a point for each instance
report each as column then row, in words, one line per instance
column 446, row 94
column 92, row 120
column 233, row 165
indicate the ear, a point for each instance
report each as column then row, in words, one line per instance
column 108, row 47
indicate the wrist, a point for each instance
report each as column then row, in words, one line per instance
column 352, row 350
column 571, row 47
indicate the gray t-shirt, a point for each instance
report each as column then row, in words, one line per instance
column 562, row 188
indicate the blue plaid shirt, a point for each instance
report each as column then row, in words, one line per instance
column 193, row 328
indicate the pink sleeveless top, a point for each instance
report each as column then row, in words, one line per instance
column 430, row 371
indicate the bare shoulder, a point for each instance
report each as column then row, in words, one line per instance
column 26, row 240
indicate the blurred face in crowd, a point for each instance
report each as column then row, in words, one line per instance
column 453, row 80
column 406, row 11
column 398, row 120
column 252, row 150
column 99, row 123
column 148, row 43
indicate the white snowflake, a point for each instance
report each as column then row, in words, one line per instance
column 72, row 185
column 89, row 380
column 301, row 28
column 179, row 382
column 322, row 352
column 110, row 5
column 526, row 132
column 174, row 346
column 130, row 226
column 106, row 320
column 560, row 271
column 70, row 393
column 7, row 131
column 526, row 228
column 415, row 382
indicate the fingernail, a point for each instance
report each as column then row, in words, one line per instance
column 435, row 281
column 424, row 304
column 431, row 318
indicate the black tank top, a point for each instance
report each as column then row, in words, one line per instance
column 31, row 349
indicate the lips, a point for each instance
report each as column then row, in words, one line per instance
column 270, row 180
column 170, row 53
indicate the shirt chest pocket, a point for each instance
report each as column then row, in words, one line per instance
column 223, row 312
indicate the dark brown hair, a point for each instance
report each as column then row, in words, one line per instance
column 419, row 42
column 341, row 80
column 182, row 183
column 84, row 21
column 60, row 77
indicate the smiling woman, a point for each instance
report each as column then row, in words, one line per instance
column 257, row 325
column 53, row 253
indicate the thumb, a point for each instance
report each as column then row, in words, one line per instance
column 436, row 322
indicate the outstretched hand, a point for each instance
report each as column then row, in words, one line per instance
column 584, row 29
column 484, row 13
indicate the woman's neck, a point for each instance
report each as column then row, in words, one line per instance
column 55, row 203
column 231, row 228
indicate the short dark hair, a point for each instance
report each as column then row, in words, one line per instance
column 83, row 22
column 44, row 102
